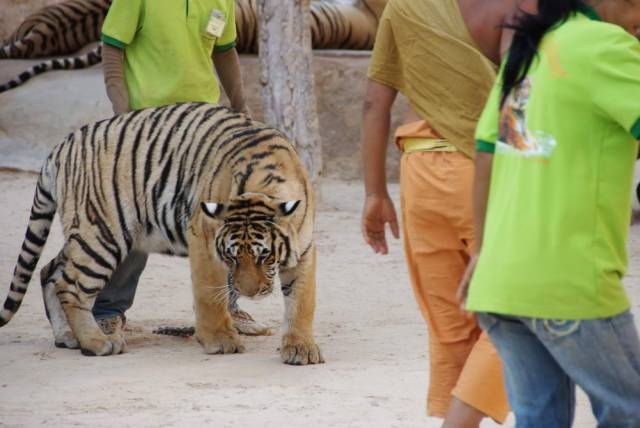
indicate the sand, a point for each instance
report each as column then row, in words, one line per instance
column 368, row 324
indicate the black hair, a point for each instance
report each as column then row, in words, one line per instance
column 529, row 30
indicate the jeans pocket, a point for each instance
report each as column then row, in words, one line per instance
column 561, row 328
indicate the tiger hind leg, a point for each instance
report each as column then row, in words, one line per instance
column 63, row 336
column 84, row 275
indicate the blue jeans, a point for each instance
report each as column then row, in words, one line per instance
column 117, row 295
column 544, row 360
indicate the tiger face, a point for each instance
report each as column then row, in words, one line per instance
column 252, row 239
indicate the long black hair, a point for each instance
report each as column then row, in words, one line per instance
column 529, row 30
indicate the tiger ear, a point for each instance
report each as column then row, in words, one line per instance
column 287, row 208
column 211, row 208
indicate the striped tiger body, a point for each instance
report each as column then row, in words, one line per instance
column 333, row 24
column 193, row 180
column 66, row 27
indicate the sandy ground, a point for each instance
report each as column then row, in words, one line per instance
column 368, row 325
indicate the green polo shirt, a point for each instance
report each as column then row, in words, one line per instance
column 559, row 208
column 167, row 48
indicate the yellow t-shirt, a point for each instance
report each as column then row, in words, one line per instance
column 168, row 49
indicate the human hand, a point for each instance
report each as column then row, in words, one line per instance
column 246, row 110
column 463, row 287
column 378, row 210
column 120, row 108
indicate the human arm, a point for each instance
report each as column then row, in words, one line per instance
column 118, row 30
column 113, row 69
column 227, row 64
column 378, row 207
column 481, row 184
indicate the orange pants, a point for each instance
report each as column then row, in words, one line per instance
column 438, row 235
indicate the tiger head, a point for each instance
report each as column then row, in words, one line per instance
column 253, row 237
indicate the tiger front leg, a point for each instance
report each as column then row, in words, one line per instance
column 299, row 290
column 214, row 326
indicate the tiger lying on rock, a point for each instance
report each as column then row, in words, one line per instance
column 193, row 180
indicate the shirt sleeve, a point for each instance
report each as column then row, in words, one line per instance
column 123, row 21
column 386, row 66
column 228, row 38
column 616, row 79
column 488, row 128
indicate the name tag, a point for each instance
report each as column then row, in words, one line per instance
column 216, row 24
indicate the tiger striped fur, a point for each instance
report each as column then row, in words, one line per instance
column 334, row 25
column 193, row 180
column 59, row 29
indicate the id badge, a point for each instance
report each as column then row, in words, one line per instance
column 216, row 24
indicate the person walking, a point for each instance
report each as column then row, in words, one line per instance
column 442, row 55
column 557, row 143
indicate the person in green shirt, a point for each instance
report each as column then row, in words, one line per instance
column 556, row 147
column 159, row 53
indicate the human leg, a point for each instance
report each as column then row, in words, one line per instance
column 481, row 383
column 436, row 259
column 117, row 296
column 602, row 356
column 540, row 392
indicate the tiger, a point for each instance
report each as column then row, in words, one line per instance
column 59, row 29
column 334, row 25
column 194, row 180
column 92, row 57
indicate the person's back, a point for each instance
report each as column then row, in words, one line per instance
column 557, row 143
column 564, row 177
column 485, row 22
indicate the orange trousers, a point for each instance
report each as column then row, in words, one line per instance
column 438, row 237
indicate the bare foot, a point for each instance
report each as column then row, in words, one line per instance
column 462, row 415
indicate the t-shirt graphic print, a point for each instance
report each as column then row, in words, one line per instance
column 514, row 138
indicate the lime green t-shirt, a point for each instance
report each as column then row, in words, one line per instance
column 168, row 49
column 559, row 203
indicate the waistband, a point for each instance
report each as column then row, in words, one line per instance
column 419, row 144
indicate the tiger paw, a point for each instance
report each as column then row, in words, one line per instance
column 299, row 352
column 99, row 347
column 226, row 342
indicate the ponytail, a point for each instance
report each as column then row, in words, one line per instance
column 529, row 30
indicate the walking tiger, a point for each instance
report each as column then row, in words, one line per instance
column 193, row 180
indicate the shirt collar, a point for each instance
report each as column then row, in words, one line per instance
column 590, row 12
